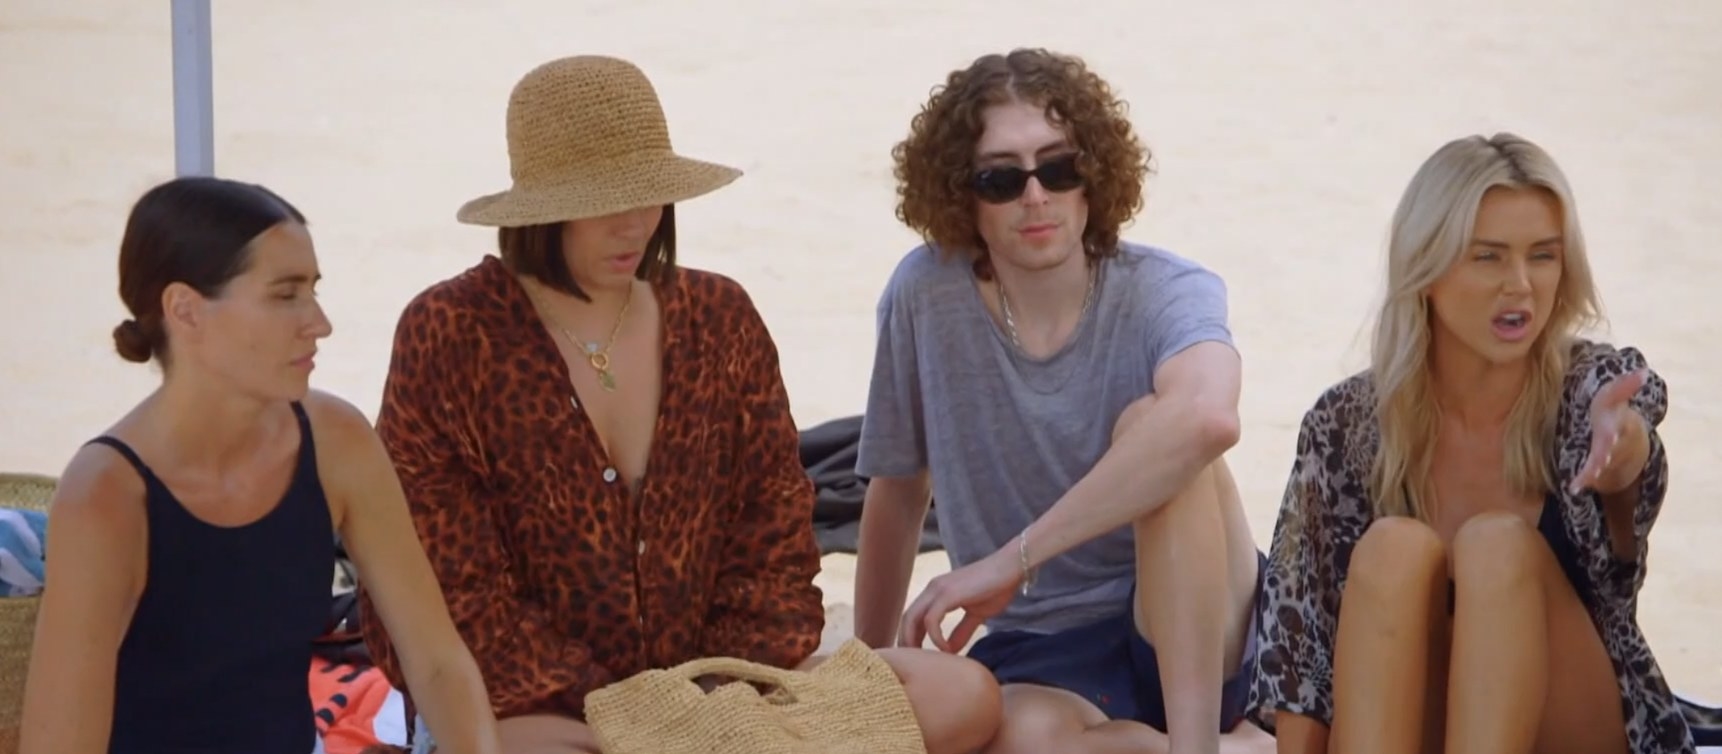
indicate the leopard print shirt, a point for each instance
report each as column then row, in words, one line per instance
column 1325, row 510
column 557, row 578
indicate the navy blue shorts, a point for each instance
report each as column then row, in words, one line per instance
column 1109, row 664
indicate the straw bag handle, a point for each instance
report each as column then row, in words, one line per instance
column 738, row 669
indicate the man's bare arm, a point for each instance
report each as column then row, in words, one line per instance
column 1171, row 436
column 892, row 514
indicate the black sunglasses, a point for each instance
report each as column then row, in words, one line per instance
column 1006, row 184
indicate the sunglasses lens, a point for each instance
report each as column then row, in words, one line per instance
column 999, row 185
column 1006, row 184
column 1059, row 175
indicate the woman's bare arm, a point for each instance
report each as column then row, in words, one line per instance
column 441, row 675
column 96, row 542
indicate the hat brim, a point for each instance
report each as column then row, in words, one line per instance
column 658, row 182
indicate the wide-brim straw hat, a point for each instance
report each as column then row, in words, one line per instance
column 586, row 138
column 18, row 614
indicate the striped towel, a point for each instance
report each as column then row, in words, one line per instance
column 22, row 532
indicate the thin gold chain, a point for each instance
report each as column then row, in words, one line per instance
column 598, row 358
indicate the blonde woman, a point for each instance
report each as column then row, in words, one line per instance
column 1480, row 497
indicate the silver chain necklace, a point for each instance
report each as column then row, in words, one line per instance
column 1010, row 321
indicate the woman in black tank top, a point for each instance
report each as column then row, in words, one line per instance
column 191, row 546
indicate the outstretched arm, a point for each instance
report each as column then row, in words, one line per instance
column 98, row 539
column 440, row 672
column 1611, row 452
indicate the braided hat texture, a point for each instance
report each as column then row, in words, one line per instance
column 586, row 138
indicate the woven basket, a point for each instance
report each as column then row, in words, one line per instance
column 18, row 614
column 852, row 703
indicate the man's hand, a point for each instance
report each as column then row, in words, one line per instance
column 981, row 590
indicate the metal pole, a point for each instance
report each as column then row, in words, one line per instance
column 193, row 90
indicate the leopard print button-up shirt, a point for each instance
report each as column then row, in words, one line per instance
column 1325, row 511
column 559, row 580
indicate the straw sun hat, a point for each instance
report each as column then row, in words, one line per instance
column 586, row 137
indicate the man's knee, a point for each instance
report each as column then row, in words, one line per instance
column 1497, row 550
column 1395, row 558
column 1203, row 492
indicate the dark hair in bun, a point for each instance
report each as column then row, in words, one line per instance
column 133, row 343
column 195, row 230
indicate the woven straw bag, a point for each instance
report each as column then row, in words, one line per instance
column 850, row 704
column 18, row 614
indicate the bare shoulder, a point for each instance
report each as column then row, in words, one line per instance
column 349, row 453
column 337, row 422
column 98, row 506
column 98, row 483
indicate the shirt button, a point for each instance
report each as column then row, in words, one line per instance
column 609, row 475
column 642, row 548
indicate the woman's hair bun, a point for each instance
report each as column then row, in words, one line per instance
column 132, row 342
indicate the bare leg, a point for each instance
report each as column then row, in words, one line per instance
column 1195, row 591
column 1515, row 608
column 1196, row 585
column 1038, row 719
column 546, row 734
column 1392, row 618
column 956, row 700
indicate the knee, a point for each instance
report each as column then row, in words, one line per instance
column 956, row 700
column 1396, row 557
column 1496, row 548
column 1032, row 726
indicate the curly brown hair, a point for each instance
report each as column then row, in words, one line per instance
column 935, row 164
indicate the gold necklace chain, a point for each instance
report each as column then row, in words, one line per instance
column 599, row 358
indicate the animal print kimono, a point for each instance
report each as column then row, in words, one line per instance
column 1326, row 509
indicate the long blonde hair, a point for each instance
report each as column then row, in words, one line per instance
column 1431, row 230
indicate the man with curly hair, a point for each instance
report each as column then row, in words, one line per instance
column 1066, row 397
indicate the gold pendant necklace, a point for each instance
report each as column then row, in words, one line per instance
column 599, row 358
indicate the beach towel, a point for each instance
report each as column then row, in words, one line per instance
column 341, row 641
column 828, row 453
column 356, row 709
column 22, row 532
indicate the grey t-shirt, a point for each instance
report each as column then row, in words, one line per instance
column 1006, row 435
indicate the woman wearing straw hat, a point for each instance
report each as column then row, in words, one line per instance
column 596, row 443
column 191, row 544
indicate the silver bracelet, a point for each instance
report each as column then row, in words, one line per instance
column 1022, row 558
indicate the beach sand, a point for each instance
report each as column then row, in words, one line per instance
column 1282, row 132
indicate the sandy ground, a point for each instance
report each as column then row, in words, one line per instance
column 1283, row 135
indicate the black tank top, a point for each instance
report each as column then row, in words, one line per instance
column 218, row 654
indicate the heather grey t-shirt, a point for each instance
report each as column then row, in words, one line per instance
column 1006, row 435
